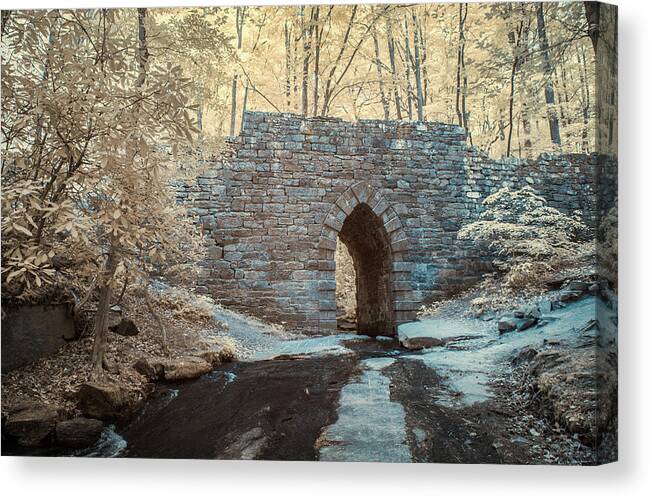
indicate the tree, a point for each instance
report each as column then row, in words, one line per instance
column 554, row 130
column 87, row 158
column 240, row 13
column 394, row 74
column 378, row 67
column 602, row 30
column 417, row 69
column 461, row 69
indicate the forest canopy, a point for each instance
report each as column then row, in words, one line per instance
column 520, row 77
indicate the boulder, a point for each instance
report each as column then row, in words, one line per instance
column 151, row 367
column 506, row 324
column 213, row 357
column 218, row 357
column 105, row 400
column 185, row 368
column 32, row 332
column 420, row 342
column 545, row 306
column 78, row 433
column 248, row 445
column 114, row 317
column 526, row 323
column 567, row 296
column 576, row 286
column 126, row 327
column 161, row 368
column 32, row 424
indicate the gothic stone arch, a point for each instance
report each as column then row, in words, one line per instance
column 371, row 229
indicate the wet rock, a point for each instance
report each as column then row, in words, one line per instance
column 186, row 368
column 419, row 343
column 32, row 424
column 78, row 433
column 183, row 368
column 249, row 445
column 526, row 323
column 576, row 286
column 114, row 317
column 126, row 327
column 105, row 400
column 545, row 306
column 533, row 311
column 555, row 282
column 217, row 357
column 212, row 357
column 506, row 324
column 569, row 296
column 151, row 367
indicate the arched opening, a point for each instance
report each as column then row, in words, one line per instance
column 368, row 244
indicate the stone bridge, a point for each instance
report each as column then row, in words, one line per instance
column 395, row 193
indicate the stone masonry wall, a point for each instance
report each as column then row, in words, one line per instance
column 272, row 208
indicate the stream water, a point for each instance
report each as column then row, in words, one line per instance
column 356, row 418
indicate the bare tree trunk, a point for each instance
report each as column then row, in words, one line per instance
column 246, row 96
column 514, row 69
column 419, row 83
column 288, row 64
column 423, row 60
column 143, row 54
column 328, row 91
column 516, row 39
column 561, row 108
column 378, row 67
column 306, row 61
column 295, row 104
column 394, row 74
column 460, row 46
column 592, row 15
column 239, row 26
column 317, row 57
column 526, row 118
column 158, row 319
column 554, row 129
column 408, row 71
column 585, row 101
column 565, row 97
column 101, row 319
column 233, row 105
column 6, row 15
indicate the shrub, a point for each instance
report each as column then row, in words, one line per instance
column 526, row 238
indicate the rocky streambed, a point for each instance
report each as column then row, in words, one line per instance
column 447, row 390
